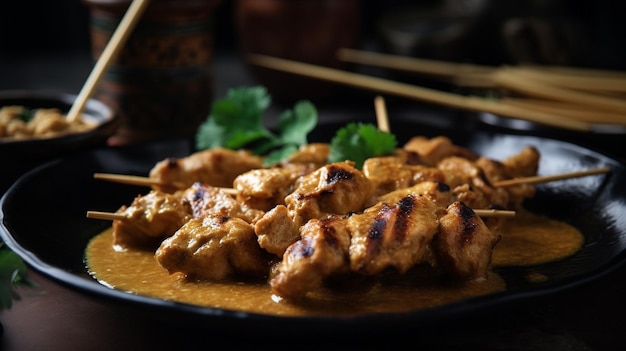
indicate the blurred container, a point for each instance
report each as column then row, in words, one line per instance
column 20, row 155
column 301, row 30
column 161, row 83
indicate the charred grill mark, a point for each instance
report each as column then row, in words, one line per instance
column 469, row 223
column 303, row 248
column 406, row 206
column 483, row 177
column 377, row 229
column 403, row 210
column 172, row 163
column 443, row 187
column 379, row 224
column 198, row 200
column 224, row 219
column 330, row 234
column 336, row 174
column 200, row 192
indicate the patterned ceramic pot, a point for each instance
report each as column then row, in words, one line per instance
column 161, row 82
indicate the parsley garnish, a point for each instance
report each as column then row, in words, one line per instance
column 360, row 141
column 236, row 121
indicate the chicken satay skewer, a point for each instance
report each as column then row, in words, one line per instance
column 549, row 178
column 112, row 216
column 146, row 181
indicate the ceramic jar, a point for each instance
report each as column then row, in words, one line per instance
column 161, row 82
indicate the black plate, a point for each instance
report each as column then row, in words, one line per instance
column 43, row 220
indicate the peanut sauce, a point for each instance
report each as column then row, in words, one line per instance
column 527, row 239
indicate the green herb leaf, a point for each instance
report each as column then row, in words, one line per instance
column 296, row 124
column 12, row 273
column 237, row 122
column 360, row 141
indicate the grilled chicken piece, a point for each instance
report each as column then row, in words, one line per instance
column 336, row 188
column 322, row 251
column 392, row 235
column 470, row 185
column 433, row 150
column 265, row 188
column 388, row 173
column 464, row 244
column 205, row 199
column 214, row 248
column 523, row 164
column 157, row 215
column 333, row 189
column 216, row 167
column 276, row 230
column 150, row 219
column 315, row 154
column 437, row 192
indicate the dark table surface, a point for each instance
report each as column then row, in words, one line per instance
column 53, row 317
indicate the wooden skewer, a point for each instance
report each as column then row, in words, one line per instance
column 587, row 82
column 494, row 213
column 381, row 114
column 542, row 179
column 128, row 22
column 449, row 70
column 516, row 80
column 147, row 181
column 481, row 76
column 571, row 110
column 471, row 103
column 110, row 216
column 135, row 180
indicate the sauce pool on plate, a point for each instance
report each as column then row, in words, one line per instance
column 528, row 239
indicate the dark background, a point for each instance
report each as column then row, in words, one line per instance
column 36, row 27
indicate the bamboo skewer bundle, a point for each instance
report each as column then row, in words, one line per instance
column 580, row 95
column 472, row 103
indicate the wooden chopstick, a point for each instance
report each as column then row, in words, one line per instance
column 472, row 103
column 123, row 30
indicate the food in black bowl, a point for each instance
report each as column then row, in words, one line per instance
column 24, row 146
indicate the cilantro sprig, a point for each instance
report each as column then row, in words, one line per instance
column 360, row 141
column 236, row 121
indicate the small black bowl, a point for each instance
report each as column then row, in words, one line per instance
column 20, row 155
